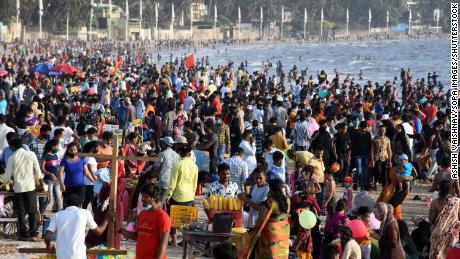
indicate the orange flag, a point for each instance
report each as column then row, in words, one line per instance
column 118, row 65
column 189, row 61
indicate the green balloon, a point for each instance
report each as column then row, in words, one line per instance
column 307, row 219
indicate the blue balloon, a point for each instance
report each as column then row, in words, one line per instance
column 323, row 93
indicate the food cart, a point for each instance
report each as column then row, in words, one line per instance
column 8, row 216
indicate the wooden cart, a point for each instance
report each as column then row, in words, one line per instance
column 9, row 219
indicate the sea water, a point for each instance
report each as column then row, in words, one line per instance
column 378, row 60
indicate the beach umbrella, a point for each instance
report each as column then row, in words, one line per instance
column 55, row 73
column 65, row 69
column 42, row 68
column 3, row 73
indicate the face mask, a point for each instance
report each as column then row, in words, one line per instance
column 70, row 155
column 148, row 207
column 218, row 121
column 55, row 150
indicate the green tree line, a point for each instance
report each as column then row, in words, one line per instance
column 55, row 11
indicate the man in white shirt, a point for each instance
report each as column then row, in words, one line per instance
column 24, row 168
column 409, row 130
column 189, row 102
column 70, row 225
column 4, row 129
column 225, row 89
column 69, row 134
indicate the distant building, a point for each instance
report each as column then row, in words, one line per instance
column 199, row 10
column 101, row 14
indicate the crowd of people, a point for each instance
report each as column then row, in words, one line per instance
column 386, row 136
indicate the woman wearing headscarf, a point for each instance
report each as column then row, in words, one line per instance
column 446, row 223
column 389, row 242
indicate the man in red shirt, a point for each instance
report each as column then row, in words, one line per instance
column 153, row 226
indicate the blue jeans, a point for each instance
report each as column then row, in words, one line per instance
column 344, row 166
column 362, row 168
column 221, row 153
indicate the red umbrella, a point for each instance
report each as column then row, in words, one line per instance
column 3, row 73
column 64, row 68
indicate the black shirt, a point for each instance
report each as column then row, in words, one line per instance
column 342, row 142
column 360, row 143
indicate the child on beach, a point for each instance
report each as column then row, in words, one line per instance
column 423, row 161
column 405, row 171
column 365, row 242
column 277, row 171
column 329, row 192
column 258, row 195
column 303, row 244
column 348, row 193
column 295, row 182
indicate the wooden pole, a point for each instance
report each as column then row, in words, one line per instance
column 113, row 192
column 109, row 157
column 26, row 250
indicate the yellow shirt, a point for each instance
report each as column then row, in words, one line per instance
column 184, row 180
column 397, row 122
column 317, row 169
column 212, row 88
column 303, row 157
column 279, row 141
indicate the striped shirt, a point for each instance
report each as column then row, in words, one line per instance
column 301, row 135
column 239, row 171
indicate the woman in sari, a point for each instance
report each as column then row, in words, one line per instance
column 389, row 194
column 446, row 224
column 389, row 242
column 274, row 239
column 131, row 148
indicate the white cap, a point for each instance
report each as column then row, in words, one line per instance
column 247, row 125
column 167, row 140
column 249, row 107
column 181, row 140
